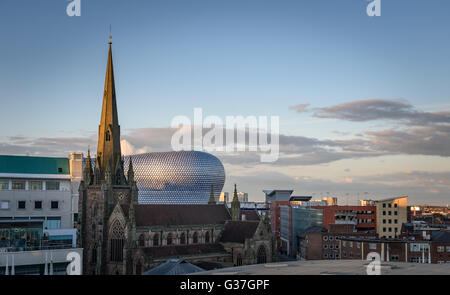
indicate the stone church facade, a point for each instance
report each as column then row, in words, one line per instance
column 120, row 236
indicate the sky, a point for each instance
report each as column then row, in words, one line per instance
column 363, row 102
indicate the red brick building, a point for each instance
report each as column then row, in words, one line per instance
column 363, row 217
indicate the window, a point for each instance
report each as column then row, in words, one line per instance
column 394, row 257
column 395, row 221
column 390, row 229
column 325, row 238
column 4, row 205
column 183, row 238
column 331, row 255
column 384, row 212
column 35, row 185
column 261, row 256
column 141, row 240
column 372, row 246
column 60, row 170
column 358, row 245
column 18, row 184
column 53, row 223
column 107, row 136
column 395, row 205
column 440, row 248
column 4, row 184
column 330, row 238
column 21, row 204
column 390, row 221
column 389, row 212
column 325, row 246
column 390, row 206
column 351, row 244
column 395, row 212
column 344, row 243
column 239, row 260
column 448, row 248
column 156, row 240
column 384, row 221
column 54, row 204
column 325, row 255
column 37, row 204
column 195, row 238
column 116, row 242
column 169, row 239
column 384, row 229
column 207, row 237
column 384, row 205
column 52, row 185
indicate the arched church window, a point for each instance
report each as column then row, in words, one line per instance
column 183, row 238
column 141, row 240
column 169, row 239
column 116, row 242
column 239, row 260
column 94, row 231
column 156, row 240
column 207, row 237
column 195, row 238
column 261, row 258
column 94, row 254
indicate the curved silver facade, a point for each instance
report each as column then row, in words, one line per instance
column 183, row 177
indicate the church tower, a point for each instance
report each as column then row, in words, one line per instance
column 103, row 188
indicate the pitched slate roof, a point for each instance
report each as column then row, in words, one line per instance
column 184, row 250
column 250, row 215
column 173, row 267
column 166, row 215
column 238, row 231
column 440, row 237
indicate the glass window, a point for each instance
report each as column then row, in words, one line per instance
column 37, row 204
column 440, row 248
column 53, row 222
column 36, row 185
column 4, row 205
column 21, row 204
column 448, row 248
column 18, row 184
column 52, row 185
column 4, row 184
column 54, row 205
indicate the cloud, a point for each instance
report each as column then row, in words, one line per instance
column 382, row 109
column 300, row 108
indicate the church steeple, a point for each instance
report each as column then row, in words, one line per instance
column 108, row 148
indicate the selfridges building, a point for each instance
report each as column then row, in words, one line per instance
column 183, row 177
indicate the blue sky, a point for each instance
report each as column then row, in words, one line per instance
column 230, row 58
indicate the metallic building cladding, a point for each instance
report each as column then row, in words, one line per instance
column 183, row 177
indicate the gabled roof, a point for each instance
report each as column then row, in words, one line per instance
column 250, row 215
column 33, row 165
column 173, row 267
column 238, row 231
column 166, row 215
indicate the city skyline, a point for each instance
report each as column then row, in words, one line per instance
column 356, row 120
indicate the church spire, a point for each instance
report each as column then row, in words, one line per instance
column 212, row 200
column 235, row 206
column 88, row 175
column 108, row 148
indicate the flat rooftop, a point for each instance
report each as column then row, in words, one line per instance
column 331, row 267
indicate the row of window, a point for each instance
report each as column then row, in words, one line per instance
column 326, row 246
column 389, row 229
column 170, row 239
column 50, row 222
column 22, row 205
column 390, row 213
column 390, row 221
column 33, row 185
column 372, row 246
column 441, row 249
column 390, row 205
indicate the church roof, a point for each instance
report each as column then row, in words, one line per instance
column 180, row 251
column 238, row 231
column 250, row 215
column 166, row 215
column 173, row 267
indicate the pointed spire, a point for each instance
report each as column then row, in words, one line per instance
column 130, row 172
column 212, row 200
column 88, row 174
column 235, row 206
column 108, row 148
